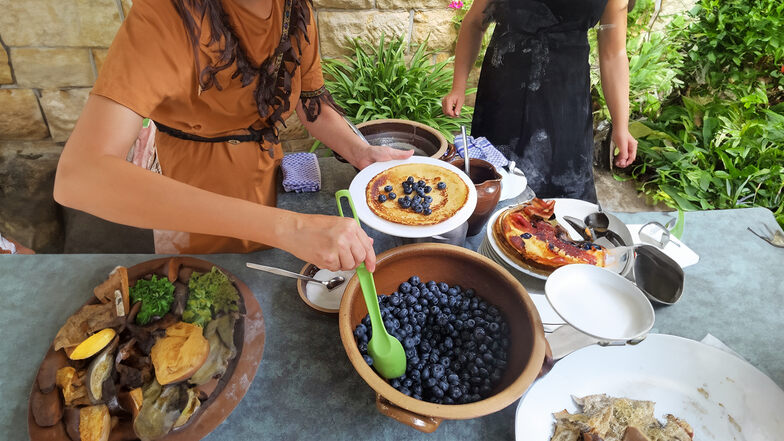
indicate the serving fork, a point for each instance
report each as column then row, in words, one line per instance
column 774, row 238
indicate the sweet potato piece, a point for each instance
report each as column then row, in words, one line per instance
column 47, row 408
column 95, row 424
column 72, row 385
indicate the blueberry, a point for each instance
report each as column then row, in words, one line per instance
column 441, row 185
column 417, row 199
column 414, row 280
column 382, row 198
column 470, row 323
column 420, row 183
column 551, row 247
column 526, row 235
column 368, row 360
column 494, row 327
column 404, row 203
column 417, row 208
column 410, row 180
column 395, row 300
column 408, row 343
column 443, row 287
column 428, row 189
column 431, row 382
column 363, row 347
column 392, row 195
column 452, row 291
column 408, row 190
column 427, row 212
column 388, row 188
column 420, row 192
column 428, row 200
column 453, row 378
column 438, row 371
column 395, row 383
column 405, row 287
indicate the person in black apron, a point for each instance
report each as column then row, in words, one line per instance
column 534, row 99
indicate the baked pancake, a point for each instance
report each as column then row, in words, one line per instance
column 443, row 202
column 530, row 235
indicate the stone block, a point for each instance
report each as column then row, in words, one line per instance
column 343, row 4
column 52, row 67
column 30, row 214
column 99, row 56
column 436, row 27
column 294, row 129
column 5, row 68
column 20, row 116
column 59, row 23
column 298, row 145
column 126, row 7
column 62, row 108
column 337, row 28
column 412, row 4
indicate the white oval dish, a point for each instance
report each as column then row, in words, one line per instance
column 599, row 303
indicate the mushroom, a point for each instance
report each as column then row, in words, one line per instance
column 47, row 373
column 160, row 410
column 47, row 408
column 220, row 353
column 99, row 371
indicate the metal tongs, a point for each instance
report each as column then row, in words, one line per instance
column 775, row 238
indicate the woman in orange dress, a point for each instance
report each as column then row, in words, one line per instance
column 218, row 77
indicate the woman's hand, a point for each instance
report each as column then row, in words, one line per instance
column 370, row 154
column 627, row 148
column 331, row 242
column 453, row 102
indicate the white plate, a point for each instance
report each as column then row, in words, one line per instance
column 599, row 303
column 512, row 185
column 723, row 397
column 361, row 180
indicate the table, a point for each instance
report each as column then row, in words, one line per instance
column 307, row 389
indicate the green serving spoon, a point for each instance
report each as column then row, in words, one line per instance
column 387, row 353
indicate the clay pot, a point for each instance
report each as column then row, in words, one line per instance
column 405, row 134
column 488, row 191
column 453, row 265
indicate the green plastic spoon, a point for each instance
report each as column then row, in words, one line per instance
column 389, row 358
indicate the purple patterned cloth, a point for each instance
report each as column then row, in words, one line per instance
column 301, row 172
column 482, row 149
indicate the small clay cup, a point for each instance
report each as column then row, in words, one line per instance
column 488, row 191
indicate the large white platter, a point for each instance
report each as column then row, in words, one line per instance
column 361, row 180
column 563, row 207
column 723, row 397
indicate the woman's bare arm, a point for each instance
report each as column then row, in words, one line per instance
column 333, row 131
column 93, row 176
column 469, row 41
column 614, row 67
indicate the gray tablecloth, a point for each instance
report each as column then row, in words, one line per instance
column 306, row 388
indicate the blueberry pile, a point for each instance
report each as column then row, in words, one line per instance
column 455, row 342
column 420, row 202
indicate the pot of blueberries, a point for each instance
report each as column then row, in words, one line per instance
column 473, row 338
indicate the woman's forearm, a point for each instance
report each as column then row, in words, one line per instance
column 330, row 128
column 96, row 178
column 615, row 84
column 469, row 41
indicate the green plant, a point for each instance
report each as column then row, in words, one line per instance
column 712, row 153
column 378, row 82
column 736, row 46
column 655, row 64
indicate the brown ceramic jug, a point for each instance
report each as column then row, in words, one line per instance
column 488, row 191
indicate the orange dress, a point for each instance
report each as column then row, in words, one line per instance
column 150, row 69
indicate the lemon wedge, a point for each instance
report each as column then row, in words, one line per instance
column 93, row 344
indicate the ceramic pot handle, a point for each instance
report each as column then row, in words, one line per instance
column 419, row 422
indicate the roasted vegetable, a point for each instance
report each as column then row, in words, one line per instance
column 218, row 333
column 181, row 353
column 93, row 344
column 94, row 423
column 47, row 373
column 72, row 385
column 161, row 408
column 99, row 371
column 88, row 319
column 117, row 281
column 156, row 295
column 190, row 408
column 47, row 408
column 210, row 293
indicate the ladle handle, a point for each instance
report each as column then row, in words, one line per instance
column 426, row 424
column 566, row 339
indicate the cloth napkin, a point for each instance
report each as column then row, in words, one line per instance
column 301, row 172
column 482, row 149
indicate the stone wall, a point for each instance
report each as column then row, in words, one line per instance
column 51, row 52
